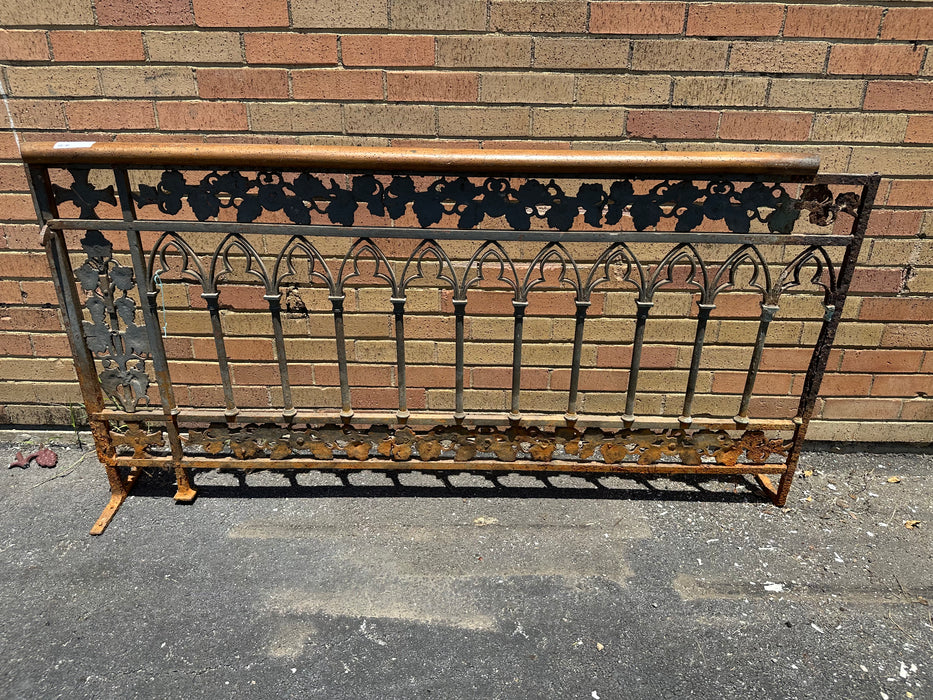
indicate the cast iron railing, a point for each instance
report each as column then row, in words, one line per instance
column 206, row 216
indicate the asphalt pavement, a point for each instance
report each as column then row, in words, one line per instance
column 278, row 586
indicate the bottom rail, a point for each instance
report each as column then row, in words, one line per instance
column 555, row 466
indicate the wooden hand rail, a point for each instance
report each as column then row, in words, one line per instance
column 422, row 159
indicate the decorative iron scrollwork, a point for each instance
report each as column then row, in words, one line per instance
column 112, row 333
column 471, row 201
column 465, row 445
column 138, row 438
column 823, row 208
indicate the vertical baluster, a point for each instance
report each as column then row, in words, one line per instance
column 213, row 307
column 520, row 306
column 767, row 315
column 644, row 308
column 702, row 319
column 148, row 302
column 336, row 301
column 275, row 310
column 459, row 312
column 398, row 308
column 582, row 307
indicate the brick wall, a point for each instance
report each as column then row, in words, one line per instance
column 853, row 82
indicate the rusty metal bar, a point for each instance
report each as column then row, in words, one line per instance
column 580, row 319
column 336, row 301
column 147, row 299
column 768, row 312
column 811, row 384
column 213, row 308
column 702, row 319
column 88, row 381
column 459, row 312
column 644, row 308
column 373, row 417
column 275, row 310
column 193, row 226
column 556, row 467
column 398, row 310
column 519, row 324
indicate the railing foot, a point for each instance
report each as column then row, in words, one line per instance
column 118, row 495
column 766, row 484
column 185, row 492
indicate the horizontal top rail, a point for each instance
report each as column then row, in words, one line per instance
column 433, row 160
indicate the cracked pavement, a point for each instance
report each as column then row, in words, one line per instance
column 314, row 589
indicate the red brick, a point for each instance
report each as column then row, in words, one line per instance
column 15, row 345
column 202, row 116
column 672, row 124
column 896, row 309
column 17, row 207
column 25, row 45
column 241, row 13
column 890, row 222
column 910, row 193
column 621, row 356
column 13, row 179
column 845, row 385
column 844, row 22
column 291, row 49
column 875, row 59
column 38, row 293
column 770, row 126
column 918, row 409
column 734, row 19
column 131, row 13
column 337, row 84
column 47, row 345
column 110, row 114
column 102, row 46
column 867, row 409
column 766, row 383
column 10, row 292
column 243, row 83
column 887, row 361
column 26, row 319
column 21, row 236
column 899, row 95
column 888, row 280
column 376, row 50
column 433, row 377
column 431, row 86
column 919, row 129
column 637, row 17
column 8, row 147
column 791, row 359
column 908, row 23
